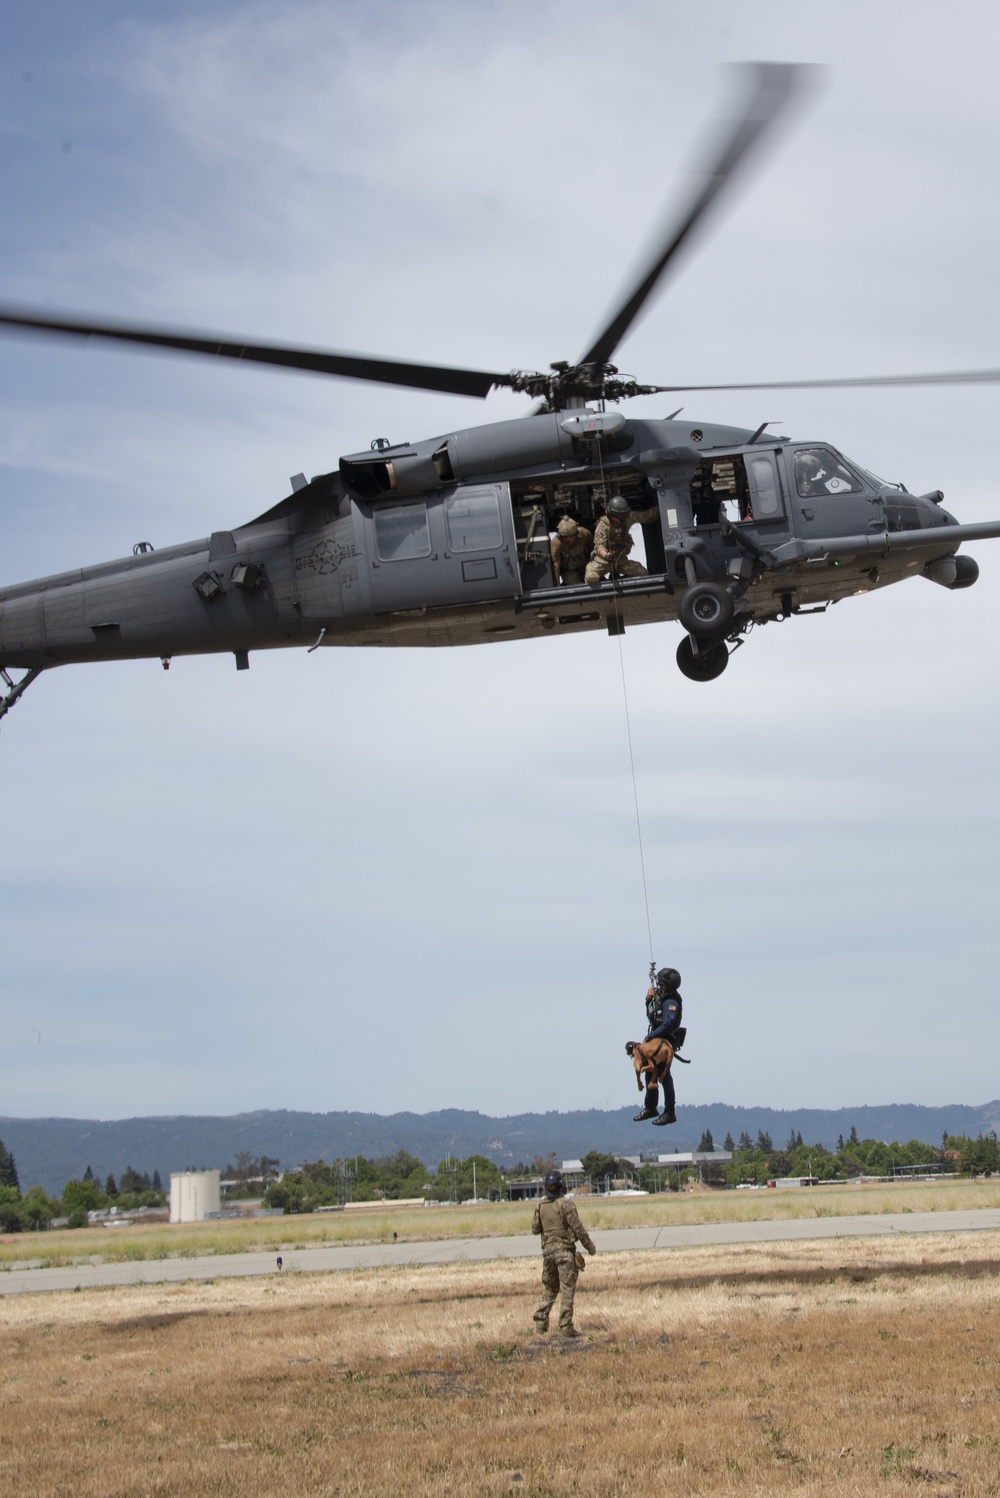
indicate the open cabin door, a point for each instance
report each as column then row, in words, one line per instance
column 456, row 546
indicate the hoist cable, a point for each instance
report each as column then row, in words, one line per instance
column 635, row 798
column 619, row 629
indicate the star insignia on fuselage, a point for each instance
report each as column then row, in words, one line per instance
column 325, row 557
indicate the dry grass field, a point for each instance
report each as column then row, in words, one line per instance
column 486, row 1220
column 836, row 1367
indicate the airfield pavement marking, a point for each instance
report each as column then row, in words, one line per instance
column 458, row 1250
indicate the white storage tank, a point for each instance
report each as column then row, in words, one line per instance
column 194, row 1194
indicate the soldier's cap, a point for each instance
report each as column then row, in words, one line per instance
column 567, row 526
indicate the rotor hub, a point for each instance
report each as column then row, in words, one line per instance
column 569, row 385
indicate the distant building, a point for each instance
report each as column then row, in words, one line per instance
column 525, row 1190
column 694, row 1157
column 194, row 1195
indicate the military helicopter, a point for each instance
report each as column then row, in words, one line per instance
column 447, row 541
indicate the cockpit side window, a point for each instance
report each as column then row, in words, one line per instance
column 818, row 471
column 401, row 532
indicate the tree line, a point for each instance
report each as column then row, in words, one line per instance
column 754, row 1162
column 395, row 1177
column 757, row 1161
column 34, row 1209
column 401, row 1176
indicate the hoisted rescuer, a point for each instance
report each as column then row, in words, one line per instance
column 653, row 1057
column 558, row 1222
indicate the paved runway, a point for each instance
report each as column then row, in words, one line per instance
column 458, row 1250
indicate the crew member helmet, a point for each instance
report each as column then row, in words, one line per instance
column 668, row 977
column 567, row 527
column 618, row 507
column 554, row 1182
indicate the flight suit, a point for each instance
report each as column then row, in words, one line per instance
column 570, row 555
column 615, row 537
column 664, row 1012
column 558, row 1222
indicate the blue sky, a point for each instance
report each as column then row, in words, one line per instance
column 332, row 881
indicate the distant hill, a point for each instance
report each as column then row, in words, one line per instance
column 52, row 1151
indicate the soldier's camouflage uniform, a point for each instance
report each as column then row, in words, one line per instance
column 615, row 537
column 558, row 1222
column 571, row 553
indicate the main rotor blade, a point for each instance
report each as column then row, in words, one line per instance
column 952, row 377
column 774, row 84
column 473, row 382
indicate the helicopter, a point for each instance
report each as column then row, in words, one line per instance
column 449, row 540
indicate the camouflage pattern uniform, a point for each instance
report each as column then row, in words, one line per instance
column 558, row 1222
column 571, row 548
column 614, row 537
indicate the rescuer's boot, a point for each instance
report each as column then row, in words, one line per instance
column 668, row 1116
column 650, row 1106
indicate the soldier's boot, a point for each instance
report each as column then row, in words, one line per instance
column 568, row 1331
column 650, row 1107
column 541, row 1324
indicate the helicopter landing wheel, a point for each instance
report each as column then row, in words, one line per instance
column 706, row 610
column 709, row 663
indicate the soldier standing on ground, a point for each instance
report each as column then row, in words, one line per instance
column 558, row 1223
column 571, row 548
column 613, row 541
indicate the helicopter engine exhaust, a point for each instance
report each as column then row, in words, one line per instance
column 953, row 572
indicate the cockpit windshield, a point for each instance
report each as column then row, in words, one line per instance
column 819, row 471
column 875, row 481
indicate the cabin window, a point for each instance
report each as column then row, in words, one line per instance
column 765, row 491
column 818, row 472
column 472, row 520
column 401, row 532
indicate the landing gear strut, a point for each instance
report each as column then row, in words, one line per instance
column 14, row 690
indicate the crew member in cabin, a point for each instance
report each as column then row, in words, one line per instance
column 571, row 548
column 613, row 541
